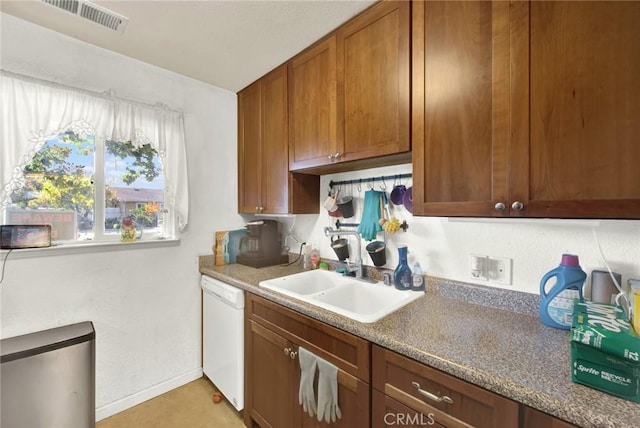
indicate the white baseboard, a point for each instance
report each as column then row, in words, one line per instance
column 147, row 394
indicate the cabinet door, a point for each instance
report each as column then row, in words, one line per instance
column 271, row 377
column 249, row 149
column 313, row 133
column 353, row 401
column 275, row 165
column 575, row 149
column 532, row 418
column 373, row 81
column 460, row 130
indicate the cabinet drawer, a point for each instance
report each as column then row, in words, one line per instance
column 387, row 412
column 397, row 376
column 346, row 351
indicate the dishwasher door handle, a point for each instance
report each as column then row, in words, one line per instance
column 214, row 294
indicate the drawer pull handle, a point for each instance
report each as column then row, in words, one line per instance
column 431, row 396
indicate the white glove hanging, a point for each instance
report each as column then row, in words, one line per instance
column 306, row 394
column 328, row 392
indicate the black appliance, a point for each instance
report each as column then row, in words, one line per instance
column 262, row 246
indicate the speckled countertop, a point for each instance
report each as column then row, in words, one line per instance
column 491, row 338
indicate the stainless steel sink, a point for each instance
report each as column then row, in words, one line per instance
column 364, row 302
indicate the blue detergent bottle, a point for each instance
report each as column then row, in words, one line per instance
column 556, row 304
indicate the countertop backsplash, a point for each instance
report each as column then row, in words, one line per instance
column 443, row 245
column 510, row 300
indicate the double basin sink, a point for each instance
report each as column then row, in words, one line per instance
column 358, row 300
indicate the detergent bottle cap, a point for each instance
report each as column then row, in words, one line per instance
column 570, row 260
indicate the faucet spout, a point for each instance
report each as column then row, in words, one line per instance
column 357, row 268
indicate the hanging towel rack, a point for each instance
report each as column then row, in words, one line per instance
column 370, row 179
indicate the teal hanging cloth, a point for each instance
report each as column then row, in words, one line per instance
column 370, row 223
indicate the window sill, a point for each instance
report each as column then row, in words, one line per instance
column 87, row 247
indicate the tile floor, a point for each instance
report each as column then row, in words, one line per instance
column 189, row 406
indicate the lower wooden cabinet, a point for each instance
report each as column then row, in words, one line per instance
column 273, row 335
column 387, row 412
column 273, row 374
column 377, row 387
column 532, row 418
column 442, row 399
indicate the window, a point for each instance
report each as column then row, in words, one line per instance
column 65, row 180
column 88, row 163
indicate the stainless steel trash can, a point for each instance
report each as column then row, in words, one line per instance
column 47, row 378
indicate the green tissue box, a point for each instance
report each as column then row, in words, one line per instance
column 605, row 350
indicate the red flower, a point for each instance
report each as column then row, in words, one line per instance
column 127, row 221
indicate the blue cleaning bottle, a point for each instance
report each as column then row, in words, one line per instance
column 556, row 304
column 402, row 274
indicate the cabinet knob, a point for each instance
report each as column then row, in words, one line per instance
column 331, row 157
column 499, row 206
column 337, row 156
column 430, row 396
column 517, row 205
column 287, row 351
column 293, row 354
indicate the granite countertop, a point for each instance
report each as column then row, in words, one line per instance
column 469, row 332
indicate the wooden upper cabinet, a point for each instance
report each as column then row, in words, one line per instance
column 349, row 94
column 576, row 104
column 249, row 148
column 373, row 81
column 313, row 123
column 275, row 142
column 265, row 185
column 460, row 110
column 526, row 109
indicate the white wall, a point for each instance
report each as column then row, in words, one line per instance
column 443, row 247
column 145, row 303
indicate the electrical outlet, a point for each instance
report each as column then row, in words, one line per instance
column 478, row 266
column 499, row 271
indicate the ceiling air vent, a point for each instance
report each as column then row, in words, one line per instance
column 68, row 5
column 92, row 12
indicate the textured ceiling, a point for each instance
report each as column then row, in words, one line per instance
column 228, row 44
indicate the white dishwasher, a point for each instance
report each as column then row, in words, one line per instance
column 223, row 338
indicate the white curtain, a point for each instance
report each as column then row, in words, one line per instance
column 33, row 111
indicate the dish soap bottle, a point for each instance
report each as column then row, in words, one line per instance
column 556, row 305
column 314, row 258
column 402, row 273
column 417, row 279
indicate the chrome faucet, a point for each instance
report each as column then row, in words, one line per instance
column 357, row 263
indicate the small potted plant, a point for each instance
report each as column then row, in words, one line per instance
column 128, row 229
